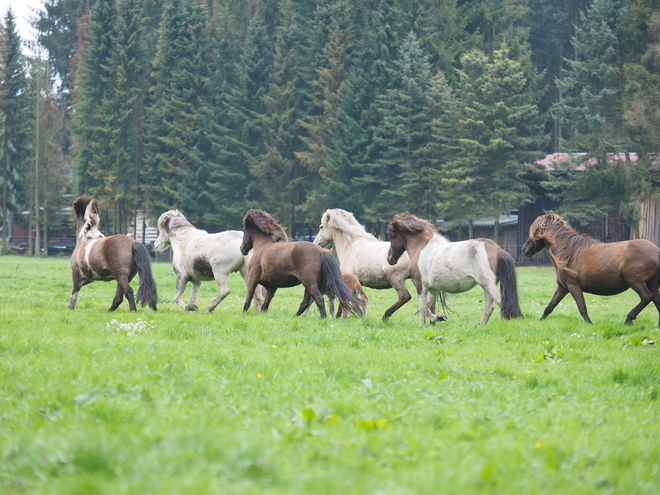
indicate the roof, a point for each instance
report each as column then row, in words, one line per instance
column 505, row 221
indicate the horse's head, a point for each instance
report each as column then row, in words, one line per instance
column 397, row 241
column 325, row 234
column 262, row 224
column 165, row 227
column 406, row 230
column 537, row 233
column 86, row 209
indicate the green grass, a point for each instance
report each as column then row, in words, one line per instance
column 233, row 403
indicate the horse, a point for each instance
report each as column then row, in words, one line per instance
column 117, row 257
column 438, row 265
column 364, row 256
column 276, row 263
column 356, row 291
column 583, row 264
column 198, row 256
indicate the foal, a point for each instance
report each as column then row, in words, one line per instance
column 117, row 257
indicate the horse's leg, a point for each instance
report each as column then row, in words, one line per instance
column 77, row 284
column 578, row 296
column 123, row 289
column 646, row 297
column 404, row 296
column 425, row 299
column 490, row 306
column 654, row 287
column 251, row 283
column 492, row 296
column 194, row 294
column 223, row 284
column 559, row 294
column 315, row 293
column 305, row 304
column 181, row 282
column 270, row 293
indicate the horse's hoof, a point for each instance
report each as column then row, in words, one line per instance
column 191, row 307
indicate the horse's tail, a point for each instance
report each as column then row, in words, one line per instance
column 506, row 271
column 147, row 293
column 331, row 280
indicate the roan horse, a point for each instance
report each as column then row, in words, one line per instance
column 583, row 264
column 117, row 257
column 198, row 255
column 364, row 256
column 278, row 263
column 439, row 265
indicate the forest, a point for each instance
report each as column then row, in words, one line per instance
column 438, row 107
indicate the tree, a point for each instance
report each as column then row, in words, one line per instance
column 13, row 115
column 403, row 131
column 592, row 86
column 497, row 131
column 179, row 117
column 278, row 174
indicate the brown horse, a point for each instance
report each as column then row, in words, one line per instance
column 439, row 266
column 276, row 263
column 584, row 264
column 117, row 257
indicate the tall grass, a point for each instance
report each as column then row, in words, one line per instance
column 180, row 402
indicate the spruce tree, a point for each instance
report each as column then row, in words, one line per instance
column 177, row 148
column 497, row 131
column 14, row 113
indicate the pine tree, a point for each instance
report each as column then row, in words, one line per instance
column 497, row 130
column 403, row 131
column 278, row 175
column 593, row 84
column 14, row 111
column 177, row 148
column 93, row 104
column 335, row 43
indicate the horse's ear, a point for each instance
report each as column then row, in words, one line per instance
column 326, row 217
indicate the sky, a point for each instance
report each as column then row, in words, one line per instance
column 22, row 9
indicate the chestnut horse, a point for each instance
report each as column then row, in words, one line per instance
column 438, row 265
column 117, row 257
column 583, row 264
column 276, row 263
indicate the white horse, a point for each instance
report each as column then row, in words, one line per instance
column 439, row 265
column 364, row 256
column 198, row 256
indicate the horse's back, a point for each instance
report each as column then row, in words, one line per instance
column 454, row 267
column 367, row 260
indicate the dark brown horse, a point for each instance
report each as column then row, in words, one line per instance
column 584, row 264
column 117, row 257
column 276, row 263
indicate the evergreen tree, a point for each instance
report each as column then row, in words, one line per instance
column 497, row 130
column 14, row 113
column 278, row 174
column 177, row 148
column 593, row 84
column 335, row 31
column 404, row 130
column 94, row 104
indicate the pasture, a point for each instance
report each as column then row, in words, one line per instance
column 233, row 403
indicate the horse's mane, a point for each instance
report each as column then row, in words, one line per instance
column 86, row 209
column 345, row 222
column 406, row 222
column 173, row 220
column 265, row 223
column 565, row 240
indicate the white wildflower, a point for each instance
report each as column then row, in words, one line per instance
column 131, row 329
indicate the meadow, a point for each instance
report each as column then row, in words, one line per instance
column 233, row 403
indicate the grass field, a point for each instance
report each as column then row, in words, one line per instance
column 233, row 403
